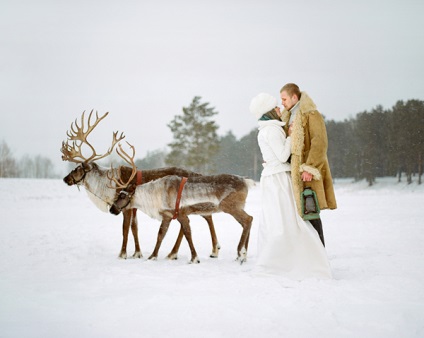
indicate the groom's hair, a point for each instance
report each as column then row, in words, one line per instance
column 291, row 89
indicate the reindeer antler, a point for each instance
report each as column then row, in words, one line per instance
column 130, row 160
column 78, row 136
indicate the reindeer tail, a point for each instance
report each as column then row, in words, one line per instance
column 249, row 183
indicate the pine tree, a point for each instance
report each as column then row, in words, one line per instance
column 195, row 138
column 342, row 149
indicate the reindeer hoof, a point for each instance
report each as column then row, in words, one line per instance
column 242, row 255
column 122, row 255
column 172, row 256
column 215, row 252
column 241, row 260
column 137, row 254
column 153, row 258
column 194, row 261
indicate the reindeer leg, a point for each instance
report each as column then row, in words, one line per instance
column 215, row 244
column 174, row 252
column 185, row 224
column 125, row 229
column 247, row 240
column 246, row 222
column 161, row 235
column 134, row 230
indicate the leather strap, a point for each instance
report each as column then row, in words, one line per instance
column 139, row 177
column 177, row 203
column 138, row 182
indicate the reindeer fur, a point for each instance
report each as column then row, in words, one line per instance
column 97, row 184
column 202, row 195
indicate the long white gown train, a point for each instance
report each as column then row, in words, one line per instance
column 287, row 245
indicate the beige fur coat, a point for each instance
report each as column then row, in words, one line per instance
column 309, row 153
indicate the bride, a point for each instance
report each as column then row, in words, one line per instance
column 287, row 245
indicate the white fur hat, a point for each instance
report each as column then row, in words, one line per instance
column 262, row 104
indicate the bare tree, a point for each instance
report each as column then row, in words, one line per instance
column 26, row 167
column 43, row 167
column 8, row 167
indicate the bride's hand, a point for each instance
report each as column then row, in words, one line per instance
column 290, row 129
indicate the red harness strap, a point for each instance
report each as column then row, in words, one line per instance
column 138, row 182
column 139, row 177
column 177, row 203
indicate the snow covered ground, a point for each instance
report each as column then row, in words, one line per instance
column 60, row 276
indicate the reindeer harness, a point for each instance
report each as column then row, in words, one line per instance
column 177, row 202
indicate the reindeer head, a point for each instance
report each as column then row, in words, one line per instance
column 72, row 148
column 77, row 175
column 124, row 190
column 123, row 199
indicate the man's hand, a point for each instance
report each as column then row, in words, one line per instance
column 306, row 177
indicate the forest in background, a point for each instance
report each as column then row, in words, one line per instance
column 376, row 143
column 373, row 144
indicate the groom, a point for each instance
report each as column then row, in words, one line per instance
column 309, row 163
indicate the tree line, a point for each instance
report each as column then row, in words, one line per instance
column 379, row 143
column 25, row 167
column 373, row 144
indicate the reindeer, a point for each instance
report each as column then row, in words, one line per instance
column 173, row 197
column 97, row 184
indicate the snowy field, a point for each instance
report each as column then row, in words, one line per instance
column 60, row 275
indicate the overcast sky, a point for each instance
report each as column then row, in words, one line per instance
column 143, row 61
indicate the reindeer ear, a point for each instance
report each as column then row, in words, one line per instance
column 131, row 188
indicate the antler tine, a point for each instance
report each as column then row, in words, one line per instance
column 130, row 160
column 71, row 152
column 78, row 131
column 84, row 134
column 119, row 184
column 125, row 156
column 78, row 135
column 115, row 140
column 96, row 122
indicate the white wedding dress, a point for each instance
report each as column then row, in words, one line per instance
column 287, row 245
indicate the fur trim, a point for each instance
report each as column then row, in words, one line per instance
column 297, row 181
column 306, row 104
column 262, row 104
column 285, row 116
column 312, row 170
column 297, row 136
